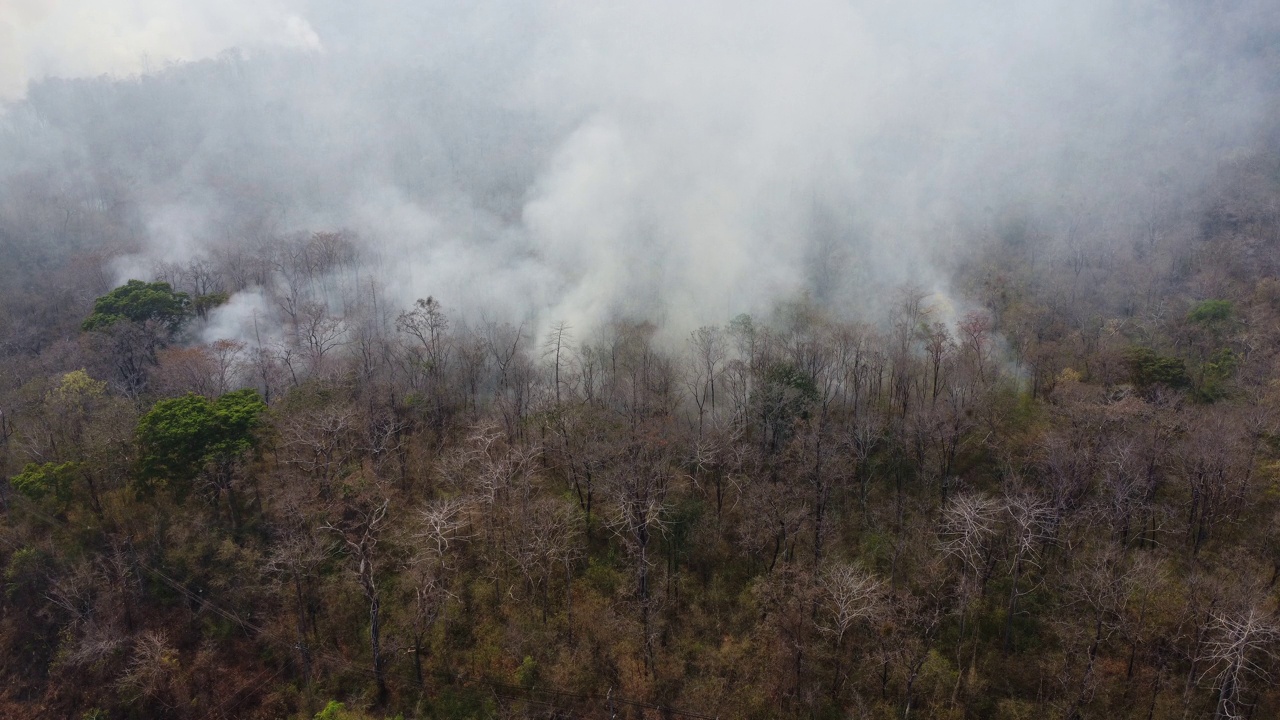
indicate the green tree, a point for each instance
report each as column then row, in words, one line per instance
column 131, row 323
column 37, row 481
column 1147, row 368
column 1211, row 324
column 1212, row 313
column 786, row 394
column 140, row 302
column 1215, row 375
column 180, row 439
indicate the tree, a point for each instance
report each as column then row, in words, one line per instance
column 37, row 481
column 1146, row 369
column 1240, row 643
column 557, row 347
column 428, row 324
column 1029, row 520
column 847, row 596
column 72, row 421
column 182, row 438
column 709, row 351
column 429, row 355
column 441, row 524
column 140, row 302
column 131, row 323
column 360, row 529
column 639, row 488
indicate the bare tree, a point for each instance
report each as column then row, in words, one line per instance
column 292, row 567
column 975, row 344
column 151, row 671
column 442, row 528
column 320, row 441
column 970, row 523
column 1240, row 642
column 638, row 490
column 428, row 325
column 847, row 596
column 227, row 361
column 504, row 344
column 709, row 352
column 1116, row 589
column 545, row 545
column 359, row 530
column 558, row 349
column 1215, row 460
column 1029, row 521
column 319, row 333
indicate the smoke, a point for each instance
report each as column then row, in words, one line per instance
column 41, row 38
column 244, row 316
column 547, row 161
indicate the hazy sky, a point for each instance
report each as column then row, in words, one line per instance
column 74, row 38
column 572, row 160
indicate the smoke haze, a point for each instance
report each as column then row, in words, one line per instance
column 551, row 161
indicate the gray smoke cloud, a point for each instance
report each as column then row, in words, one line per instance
column 67, row 38
column 682, row 162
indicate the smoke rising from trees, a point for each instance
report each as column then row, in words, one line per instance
column 552, row 161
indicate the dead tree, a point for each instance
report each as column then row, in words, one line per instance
column 638, row 489
column 1240, row 643
column 359, row 530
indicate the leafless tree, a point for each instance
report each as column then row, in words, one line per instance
column 546, row 546
column 970, row 523
column 1029, row 521
column 228, row 359
column 1240, row 643
column 441, row 530
column 319, row 333
column 1115, row 588
column 151, row 670
column 320, row 441
column 638, row 489
column 292, row 569
column 443, row 524
column 1215, row 460
column 847, row 596
column 709, row 352
column 428, row 325
column 513, row 372
column 360, row 530
column 975, row 344
column 558, row 350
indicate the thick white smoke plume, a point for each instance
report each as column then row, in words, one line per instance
column 681, row 162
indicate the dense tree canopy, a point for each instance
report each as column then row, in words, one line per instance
column 45, row 479
column 178, row 438
column 139, row 302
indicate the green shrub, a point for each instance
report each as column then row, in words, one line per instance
column 1147, row 368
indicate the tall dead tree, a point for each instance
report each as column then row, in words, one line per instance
column 359, row 530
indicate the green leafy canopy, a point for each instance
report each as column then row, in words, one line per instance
column 1147, row 368
column 178, row 437
column 138, row 302
column 1211, row 312
column 37, row 481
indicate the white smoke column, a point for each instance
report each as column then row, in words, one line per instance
column 246, row 317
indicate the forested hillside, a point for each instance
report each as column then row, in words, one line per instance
column 810, row 360
column 1058, row 502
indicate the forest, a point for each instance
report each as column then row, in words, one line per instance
column 260, row 457
column 1062, row 503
